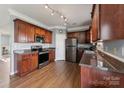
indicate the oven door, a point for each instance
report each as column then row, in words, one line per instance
column 43, row 57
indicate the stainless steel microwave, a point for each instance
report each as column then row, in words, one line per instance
column 39, row 39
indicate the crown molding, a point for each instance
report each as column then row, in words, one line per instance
column 81, row 28
column 26, row 18
column 15, row 14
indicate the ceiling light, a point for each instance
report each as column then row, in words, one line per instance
column 60, row 31
column 46, row 6
column 65, row 19
column 62, row 16
column 52, row 13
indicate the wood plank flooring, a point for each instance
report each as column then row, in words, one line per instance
column 55, row 75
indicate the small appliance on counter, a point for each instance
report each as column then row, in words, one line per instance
column 5, row 51
column 43, row 56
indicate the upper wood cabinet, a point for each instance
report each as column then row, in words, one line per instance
column 48, row 37
column 111, row 21
column 80, row 36
column 20, row 31
column 88, row 36
column 25, row 32
column 95, row 24
column 40, row 31
column 30, row 31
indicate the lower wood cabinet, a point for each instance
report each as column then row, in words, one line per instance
column 26, row 63
column 92, row 77
column 80, row 54
column 51, row 55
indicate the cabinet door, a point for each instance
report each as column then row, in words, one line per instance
column 34, row 61
column 74, row 35
column 109, row 21
column 48, row 37
column 16, row 32
column 51, row 55
column 88, row 35
column 30, row 33
column 112, row 21
column 24, row 65
column 42, row 32
column 81, row 37
column 80, row 54
column 37, row 30
column 70, row 35
column 22, row 32
column 120, row 31
column 95, row 24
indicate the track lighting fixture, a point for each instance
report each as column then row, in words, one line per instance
column 56, row 12
column 46, row 6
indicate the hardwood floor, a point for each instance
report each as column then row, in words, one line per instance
column 55, row 75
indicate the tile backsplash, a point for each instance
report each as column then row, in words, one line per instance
column 115, row 47
column 21, row 46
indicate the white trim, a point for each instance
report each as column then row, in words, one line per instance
column 21, row 16
column 15, row 14
column 80, row 28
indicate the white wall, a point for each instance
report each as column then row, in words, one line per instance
column 60, row 45
column 7, row 30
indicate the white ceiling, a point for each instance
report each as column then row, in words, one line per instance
column 79, row 15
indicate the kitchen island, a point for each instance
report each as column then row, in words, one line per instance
column 99, row 71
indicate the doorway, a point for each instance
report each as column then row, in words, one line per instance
column 5, row 47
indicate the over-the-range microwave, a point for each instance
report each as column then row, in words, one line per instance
column 39, row 38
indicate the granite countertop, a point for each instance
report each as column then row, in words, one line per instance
column 26, row 51
column 93, row 59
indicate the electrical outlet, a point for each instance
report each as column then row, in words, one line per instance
column 114, row 50
column 122, row 51
column 106, row 48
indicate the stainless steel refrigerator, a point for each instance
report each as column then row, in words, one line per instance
column 71, row 50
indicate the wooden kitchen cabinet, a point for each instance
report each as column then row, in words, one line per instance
column 80, row 36
column 25, row 32
column 20, row 31
column 48, row 37
column 51, row 55
column 111, row 21
column 34, row 61
column 80, row 54
column 88, row 36
column 73, row 34
column 39, row 31
column 95, row 24
column 30, row 33
column 26, row 63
